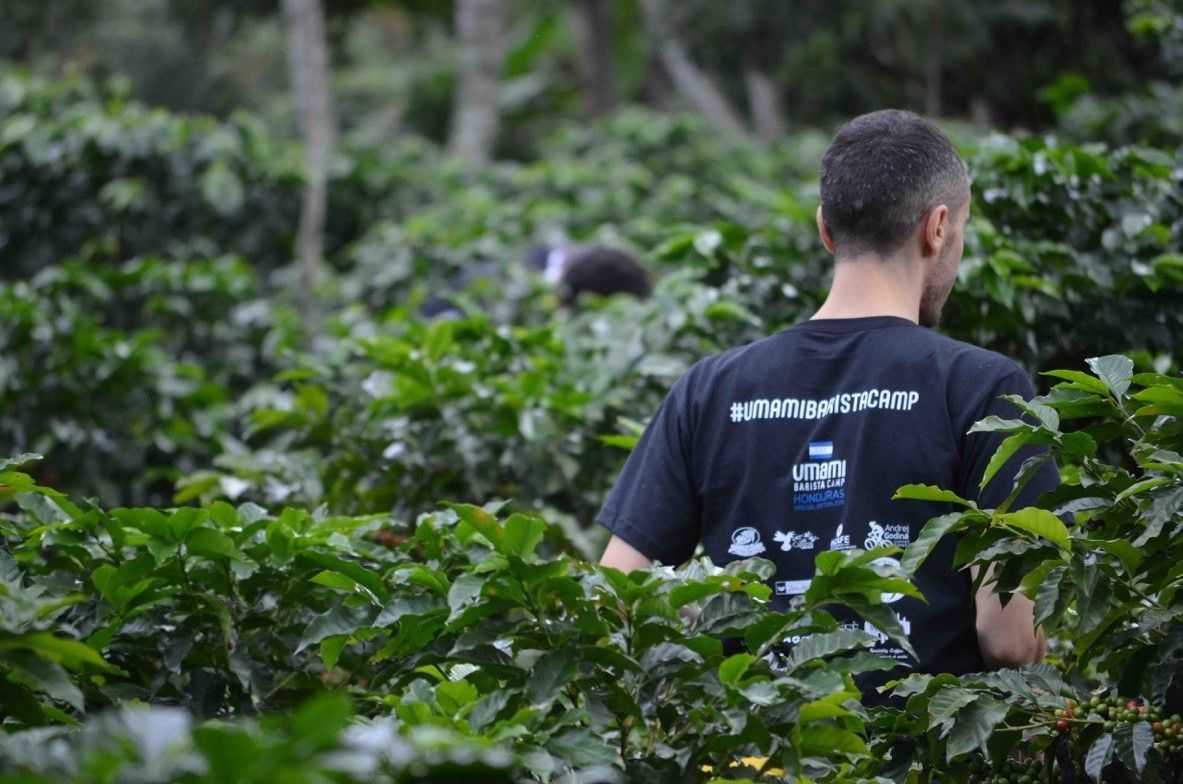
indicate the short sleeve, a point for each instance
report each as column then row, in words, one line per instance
column 979, row 448
column 654, row 505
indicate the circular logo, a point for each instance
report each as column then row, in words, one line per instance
column 887, row 567
column 745, row 542
column 745, row 536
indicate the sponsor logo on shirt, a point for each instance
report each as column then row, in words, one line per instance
column 887, row 536
column 842, row 403
column 882, row 648
column 887, row 566
column 819, row 483
column 841, row 541
column 745, row 542
column 791, row 540
column 791, row 587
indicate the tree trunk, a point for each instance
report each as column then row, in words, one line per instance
column 691, row 82
column 932, row 68
column 593, row 31
column 767, row 108
column 475, row 119
column 308, row 61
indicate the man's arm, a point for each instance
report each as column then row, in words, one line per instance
column 1007, row 635
column 653, row 509
column 621, row 555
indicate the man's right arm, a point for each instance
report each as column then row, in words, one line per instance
column 653, row 508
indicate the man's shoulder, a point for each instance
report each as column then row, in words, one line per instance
column 962, row 359
column 754, row 354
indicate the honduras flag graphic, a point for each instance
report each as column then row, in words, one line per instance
column 821, row 450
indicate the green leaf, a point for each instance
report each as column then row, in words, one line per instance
column 453, row 696
column 1047, row 597
column 934, row 530
column 331, row 648
column 683, row 595
column 319, row 721
column 1099, row 756
column 1079, row 380
column 1006, row 450
column 620, row 441
column 16, row 461
column 996, row 424
column 1132, row 743
column 883, row 618
column 930, row 493
column 823, row 740
column 1130, row 556
column 974, row 726
column 1039, row 522
column 522, row 535
column 44, row 675
column 1115, row 371
column 818, row 646
column 150, row 521
column 465, row 592
column 281, row 540
column 946, row 703
column 71, row 654
column 336, row 581
column 734, row 667
column 480, row 521
column 222, row 513
column 341, row 620
column 484, row 711
column 582, row 748
column 359, row 573
column 829, row 707
column 549, row 675
column 183, row 520
column 208, row 543
column 1141, row 487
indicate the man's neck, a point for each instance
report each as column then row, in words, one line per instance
column 871, row 285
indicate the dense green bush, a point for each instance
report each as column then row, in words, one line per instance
column 123, row 375
column 397, row 414
column 471, row 629
column 83, row 167
column 455, row 623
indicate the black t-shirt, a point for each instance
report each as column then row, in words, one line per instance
column 796, row 443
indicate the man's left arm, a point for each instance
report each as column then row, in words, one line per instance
column 1007, row 636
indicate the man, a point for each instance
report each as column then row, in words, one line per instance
column 796, row 443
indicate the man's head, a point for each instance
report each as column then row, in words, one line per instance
column 604, row 271
column 894, row 187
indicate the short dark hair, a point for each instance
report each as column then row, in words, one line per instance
column 882, row 172
column 604, row 271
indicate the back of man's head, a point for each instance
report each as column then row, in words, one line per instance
column 881, row 174
column 604, row 271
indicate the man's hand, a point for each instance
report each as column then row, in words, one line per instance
column 1007, row 636
column 621, row 555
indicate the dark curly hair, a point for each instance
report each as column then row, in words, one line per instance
column 603, row 271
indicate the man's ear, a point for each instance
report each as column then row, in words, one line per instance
column 823, row 231
column 934, row 232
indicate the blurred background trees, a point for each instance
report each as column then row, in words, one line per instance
column 491, row 77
